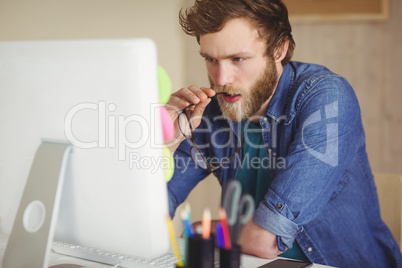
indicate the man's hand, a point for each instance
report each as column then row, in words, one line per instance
column 182, row 98
column 255, row 240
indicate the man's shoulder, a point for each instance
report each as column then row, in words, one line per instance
column 315, row 84
column 308, row 78
column 311, row 73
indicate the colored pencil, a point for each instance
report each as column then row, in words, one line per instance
column 206, row 224
column 174, row 242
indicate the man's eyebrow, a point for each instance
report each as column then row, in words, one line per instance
column 235, row 55
column 204, row 55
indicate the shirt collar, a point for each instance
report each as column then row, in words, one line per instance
column 277, row 105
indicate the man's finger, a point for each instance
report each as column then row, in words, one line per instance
column 200, row 108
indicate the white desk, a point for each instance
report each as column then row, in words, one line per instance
column 55, row 259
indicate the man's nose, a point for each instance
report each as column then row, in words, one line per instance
column 224, row 75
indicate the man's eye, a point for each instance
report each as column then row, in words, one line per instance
column 210, row 59
column 238, row 59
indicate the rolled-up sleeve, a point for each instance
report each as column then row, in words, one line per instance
column 284, row 228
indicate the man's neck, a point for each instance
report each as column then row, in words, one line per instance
column 260, row 113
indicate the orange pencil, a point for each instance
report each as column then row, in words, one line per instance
column 225, row 227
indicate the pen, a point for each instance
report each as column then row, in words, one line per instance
column 225, row 227
column 185, row 216
column 174, row 242
column 219, row 235
column 188, row 229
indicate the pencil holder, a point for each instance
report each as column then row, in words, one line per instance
column 200, row 252
column 230, row 258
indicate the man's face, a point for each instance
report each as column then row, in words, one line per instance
column 237, row 65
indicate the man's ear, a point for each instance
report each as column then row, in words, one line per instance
column 281, row 52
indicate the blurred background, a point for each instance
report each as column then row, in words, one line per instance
column 368, row 52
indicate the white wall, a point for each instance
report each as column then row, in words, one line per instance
column 94, row 19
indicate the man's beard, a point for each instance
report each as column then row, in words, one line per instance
column 251, row 100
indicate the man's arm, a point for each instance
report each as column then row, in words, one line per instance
column 328, row 117
column 257, row 241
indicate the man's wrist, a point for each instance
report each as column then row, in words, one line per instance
column 281, row 246
column 175, row 143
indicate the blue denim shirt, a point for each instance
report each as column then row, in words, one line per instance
column 323, row 193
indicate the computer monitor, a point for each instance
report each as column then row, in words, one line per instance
column 102, row 97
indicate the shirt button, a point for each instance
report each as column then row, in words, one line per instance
column 265, row 119
column 310, row 249
column 279, row 206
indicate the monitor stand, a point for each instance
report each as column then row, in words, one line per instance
column 32, row 233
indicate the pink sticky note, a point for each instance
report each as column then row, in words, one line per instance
column 167, row 124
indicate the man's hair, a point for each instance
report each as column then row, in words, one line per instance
column 269, row 17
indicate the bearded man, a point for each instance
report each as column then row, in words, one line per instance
column 291, row 133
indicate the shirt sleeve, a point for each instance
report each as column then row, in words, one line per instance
column 187, row 174
column 326, row 136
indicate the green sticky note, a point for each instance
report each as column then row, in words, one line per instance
column 168, row 163
column 165, row 85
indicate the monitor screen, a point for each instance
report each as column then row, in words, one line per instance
column 102, row 97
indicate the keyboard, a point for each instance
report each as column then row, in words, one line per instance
column 115, row 259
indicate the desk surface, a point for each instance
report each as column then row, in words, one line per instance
column 55, row 259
